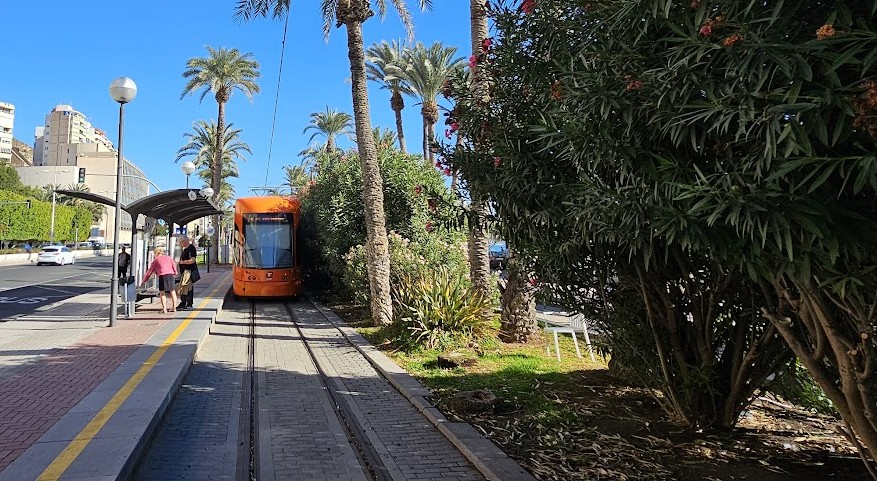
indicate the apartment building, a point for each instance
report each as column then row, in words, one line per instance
column 57, row 142
column 7, row 119
column 68, row 150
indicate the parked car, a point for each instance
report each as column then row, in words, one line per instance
column 59, row 255
column 499, row 256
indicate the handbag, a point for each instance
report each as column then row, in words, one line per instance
column 196, row 276
column 185, row 284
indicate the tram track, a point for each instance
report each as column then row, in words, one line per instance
column 367, row 454
column 281, row 390
column 248, row 459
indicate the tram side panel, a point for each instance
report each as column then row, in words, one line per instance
column 266, row 260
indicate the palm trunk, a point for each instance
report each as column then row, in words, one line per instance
column 397, row 103
column 216, row 179
column 479, row 243
column 518, row 301
column 430, row 134
column 425, row 138
column 330, row 144
column 377, row 247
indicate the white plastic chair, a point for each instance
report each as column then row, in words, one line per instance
column 577, row 323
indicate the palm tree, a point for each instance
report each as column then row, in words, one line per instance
column 297, row 177
column 352, row 14
column 74, row 201
column 201, row 149
column 222, row 72
column 384, row 138
column 329, row 124
column 425, row 70
column 45, row 193
column 380, row 57
column 479, row 241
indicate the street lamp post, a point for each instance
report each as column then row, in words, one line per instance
column 188, row 168
column 54, row 181
column 122, row 90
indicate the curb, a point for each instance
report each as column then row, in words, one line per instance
column 491, row 461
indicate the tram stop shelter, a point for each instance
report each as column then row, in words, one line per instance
column 174, row 207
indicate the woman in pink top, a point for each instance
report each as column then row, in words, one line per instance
column 164, row 267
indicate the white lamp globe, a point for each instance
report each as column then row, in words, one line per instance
column 207, row 192
column 188, row 167
column 123, row 90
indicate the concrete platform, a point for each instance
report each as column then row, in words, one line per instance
column 85, row 405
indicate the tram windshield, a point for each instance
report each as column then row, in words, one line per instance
column 268, row 240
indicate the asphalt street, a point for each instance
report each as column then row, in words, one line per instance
column 25, row 288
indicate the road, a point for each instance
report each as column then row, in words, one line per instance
column 24, row 288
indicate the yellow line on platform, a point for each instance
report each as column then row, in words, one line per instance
column 63, row 461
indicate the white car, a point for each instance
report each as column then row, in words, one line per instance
column 55, row 255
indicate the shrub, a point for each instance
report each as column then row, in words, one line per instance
column 412, row 258
column 333, row 213
column 436, row 311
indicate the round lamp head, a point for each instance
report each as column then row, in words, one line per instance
column 123, row 90
column 207, row 192
column 192, row 195
column 188, row 167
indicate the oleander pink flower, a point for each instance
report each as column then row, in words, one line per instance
column 527, row 6
column 825, row 31
column 496, row 161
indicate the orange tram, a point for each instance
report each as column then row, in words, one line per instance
column 266, row 259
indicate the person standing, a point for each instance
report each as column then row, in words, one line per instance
column 124, row 262
column 188, row 273
column 165, row 269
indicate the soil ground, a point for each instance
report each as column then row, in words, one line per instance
column 620, row 432
column 623, row 434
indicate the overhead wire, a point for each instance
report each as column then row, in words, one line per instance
column 276, row 99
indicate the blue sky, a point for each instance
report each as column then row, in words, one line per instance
column 63, row 52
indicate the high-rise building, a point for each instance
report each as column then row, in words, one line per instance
column 7, row 119
column 68, row 150
column 59, row 141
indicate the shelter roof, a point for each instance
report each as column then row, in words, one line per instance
column 171, row 205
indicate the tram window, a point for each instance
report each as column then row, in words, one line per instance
column 268, row 239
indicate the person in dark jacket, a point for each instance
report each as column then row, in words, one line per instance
column 188, row 262
column 124, row 262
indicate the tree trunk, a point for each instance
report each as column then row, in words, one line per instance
column 479, row 244
column 518, row 301
column 377, row 247
column 216, row 178
column 330, row 144
column 397, row 103
column 833, row 338
column 425, row 137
